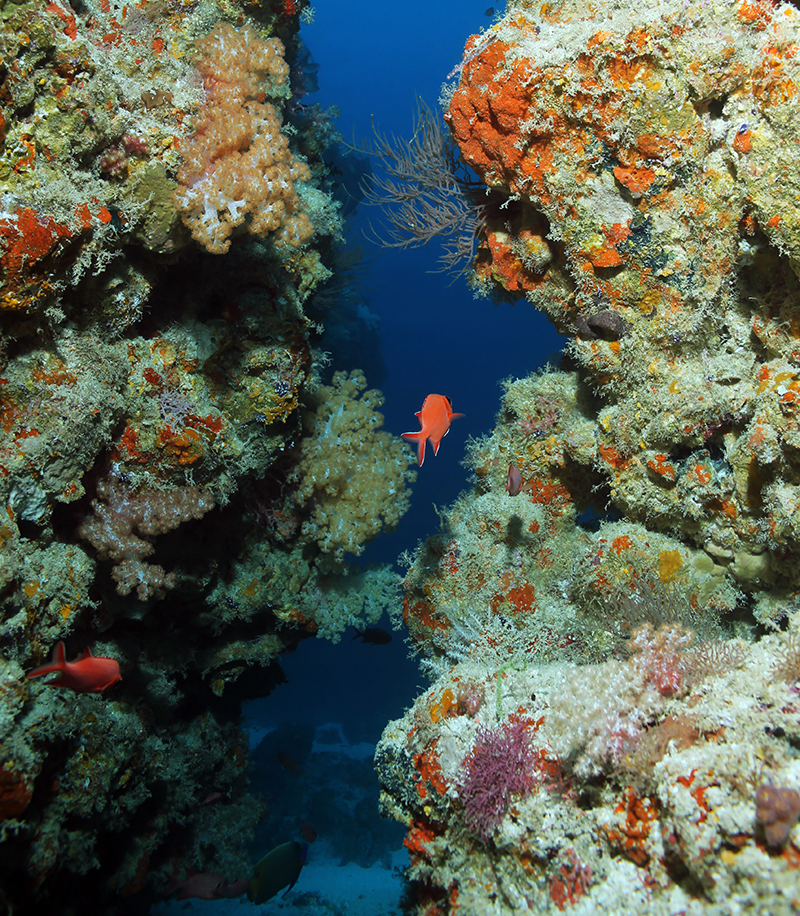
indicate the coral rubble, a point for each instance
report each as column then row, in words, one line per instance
column 627, row 610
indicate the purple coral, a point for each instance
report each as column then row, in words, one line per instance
column 125, row 523
column 500, row 765
column 777, row 811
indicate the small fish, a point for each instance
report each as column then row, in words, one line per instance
column 86, row 675
column 278, row 868
column 435, row 419
column 375, row 635
column 212, row 798
column 307, row 831
column 514, row 482
column 489, row 11
column 288, row 763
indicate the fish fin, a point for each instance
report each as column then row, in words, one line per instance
column 290, row 886
column 86, row 654
column 302, row 854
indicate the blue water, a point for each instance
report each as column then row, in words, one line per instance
column 374, row 60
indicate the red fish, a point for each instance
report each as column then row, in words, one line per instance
column 86, row 675
column 232, row 889
column 514, row 482
column 308, row 832
column 288, row 763
column 205, row 886
column 435, row 419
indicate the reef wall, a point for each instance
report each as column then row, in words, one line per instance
column 609, row 619
column 175, row 477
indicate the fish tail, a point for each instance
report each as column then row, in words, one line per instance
column 57, row 663
column 420, row 440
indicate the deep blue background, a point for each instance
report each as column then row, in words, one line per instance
column 374, row 60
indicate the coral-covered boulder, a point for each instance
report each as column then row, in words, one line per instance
column 648, row 158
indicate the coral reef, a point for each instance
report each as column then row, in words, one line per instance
column 670, row 819
column 498, row 768
column 110, row 530
column 636, row 160
column 628, row 607
column 158, row 419
column 777, row 810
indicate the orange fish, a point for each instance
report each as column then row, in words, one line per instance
column 86, row 675
column 434, row 418
column 205, row 886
